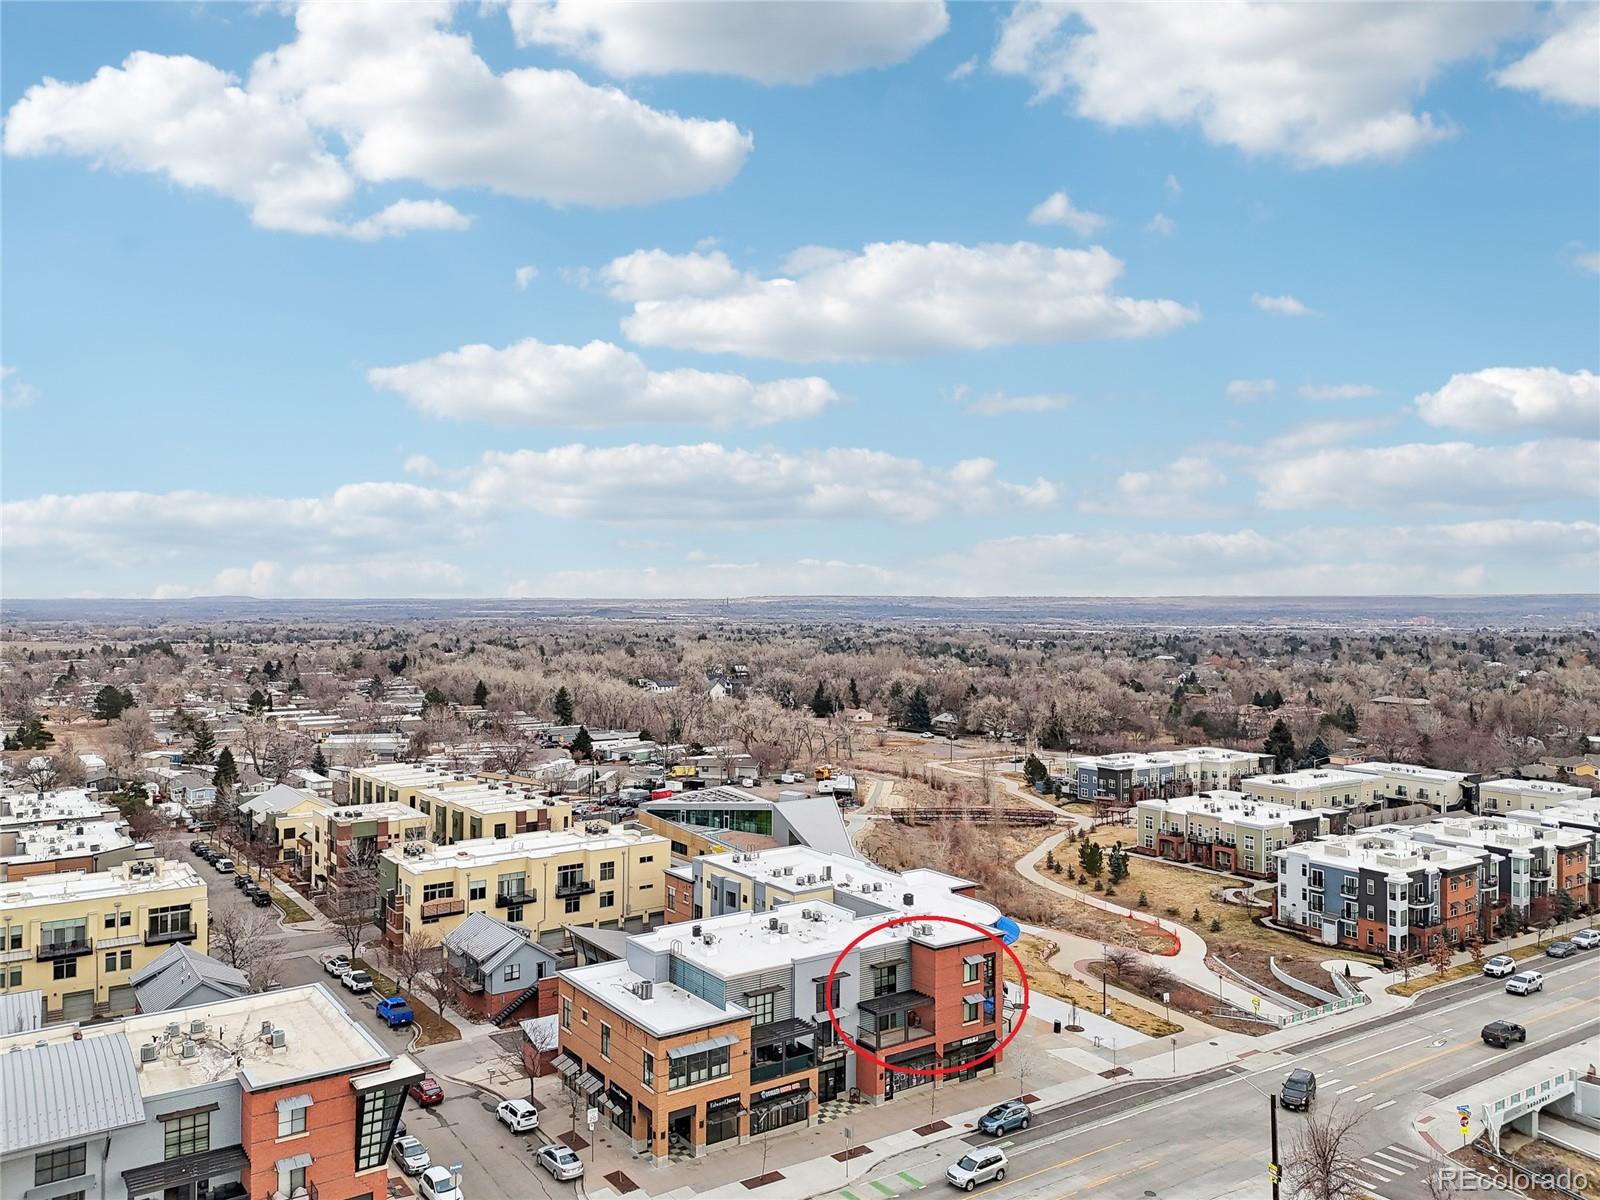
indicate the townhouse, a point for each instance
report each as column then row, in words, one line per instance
column 1528, row 868
column 330, row 839
column 1130, row 777
column 542, row 880
column 721, row 819
column 1406, row 783
column 80, row 937
column 461, row 807
column 1320, row 787
column 279, row 815
column 1582, row 816
column 1380, row 891
column 277, row 1094
column 716, row 1030
column 1499, row 796
column 1227, row 831
column 497, row 972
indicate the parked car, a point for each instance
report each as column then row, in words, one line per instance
column 560, row 1161
column 1500, row 966
column 436, row 1183
column 977, row 1166
column 426, row 1091
column 1299, row 1091
column 336, row 964
column 196, row 846
column 410, row 1155
column 1525, row 983
column 1560, row 950
column 396, row 1011
column 519, row 1116
column 1586, row 939
column 224, row 865
column 260, row 898
column 241, row 882
column 1003, row 1118
column 1503, row 1033
column 356, row 981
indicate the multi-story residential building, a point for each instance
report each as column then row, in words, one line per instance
column 541, row 880
column 398, row 783
column 1405, row 783
column 279, row 815
column 330, row 839
column 1227, row 831
column 1380, row 891
column 86, row 846
column 1319, row 787
column 79, row 937
column 1528, row 868
column 22, row 812
column 722, row 819
column 719, row 1031
column 1582, row 816
column 1496, row 797
column 276, row 1094
column 489, row 810
column 497, row 972
column 1130, row 777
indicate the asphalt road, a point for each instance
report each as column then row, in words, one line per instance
column 1207, row 1137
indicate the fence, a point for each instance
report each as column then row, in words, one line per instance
column 1324, row 1010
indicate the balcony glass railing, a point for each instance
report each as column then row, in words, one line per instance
column 763, row 1071
column 878, row 1038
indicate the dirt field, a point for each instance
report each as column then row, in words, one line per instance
column 1036, row 954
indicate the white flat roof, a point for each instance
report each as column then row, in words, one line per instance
column 89, row 885
column 1502, row 833
column 1384, row 850
column 1576, row 812
column 489, row 798
column 1233, row 806
column 538, row 843
column 1539, row 787
column 1310, row 778
column 1169, row 758
column 19, row 808
column 670, row 1010
column 1409, row 770
column 46, row 842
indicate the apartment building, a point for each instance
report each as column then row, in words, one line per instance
column 1528, row 867
column 398, row 783
column 80, row 937
column 1130, row 777
column 279, row 815
column 1320, row 787
column 1499, row 796
column 719, row 820
column 1582, row 816
column 283, row 1093
column 1227, row 831
column 541, row 880
column 1405, row 783
column 497, row 973
column 23, row 811
column 490, row 810
column 329, row 839
column 1380, row 891
column 718, row 1030
column 85, row 846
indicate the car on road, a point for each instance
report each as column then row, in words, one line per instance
column 1299, row 1091
column 1560, row 950
column 1586, row 939
column 196, row 846
column 1003, row 1118
column 438, row 1184
column 1500, row 966
column 426, row 1091
column 976, row 1166
column 241, row 882
column 410, row 1155
column 336, row 964
column 1503, row 1033
column 260, row 898
column 395, row 1011
column 519, row 1116
column 1525, row 983
column 560, row 1161
column 224, row 866
column 356, row 981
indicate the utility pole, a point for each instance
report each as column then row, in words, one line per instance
column 1274, row 1171
column 1105, row 1004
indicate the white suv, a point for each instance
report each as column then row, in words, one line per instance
column 978, row 1165
column 1500, row 966
column 1525, row 983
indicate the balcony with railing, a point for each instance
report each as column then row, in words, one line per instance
column 890, row 1019
column 515, row 897
column 573, row 887
column 51, row 951
column 776, row 1068
column 445, row 907
column 155, row 936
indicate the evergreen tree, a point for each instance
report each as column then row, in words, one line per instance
column 582, row 744
column 1094, row 859
column 562, row 706
column 319, row 762
column 1280, row 744
column 375, row 688
column 918, row 719
column 30, row 735
column 109, row 702
column 855, row 696
column 1034, row 771
column 480, row 694
column 1317, row 753
column 226, row 776
column 434, row 696
column 1118, row 864
column 646, row 736
column 257, row 701
column 821, row 706
column 204, row 744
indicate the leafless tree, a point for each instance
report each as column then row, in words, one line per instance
column 433, row 976
column 248, row 940
column 411, row 957
column 1120, row 960
column 352, row 901
column 1324, row 1156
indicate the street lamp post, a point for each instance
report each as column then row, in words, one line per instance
column 1105, row 1003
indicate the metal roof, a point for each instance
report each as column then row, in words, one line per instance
column 173, row 977
column 66, row 1090
column 487, row 941
column 21, row 1012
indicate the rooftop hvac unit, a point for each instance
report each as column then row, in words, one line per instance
column 710, row 939
column 149, row 1052
column 772, row 922
column 694, row 931
column 908, row 899
column 266, row 1029
column 827, row 872
column 280, row 1039
column 783, row 927
column 644, row 989
column 196, row 1027
column 190, row 1049
column 172, row 1029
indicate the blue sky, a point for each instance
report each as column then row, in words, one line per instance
column 1308, row 301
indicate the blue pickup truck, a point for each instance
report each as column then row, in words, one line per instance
column 395, row 1011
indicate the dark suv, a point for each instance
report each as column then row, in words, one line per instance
column 1504, row 1033
column 1299, row 1091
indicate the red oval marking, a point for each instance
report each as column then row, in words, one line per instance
column 1000, row 992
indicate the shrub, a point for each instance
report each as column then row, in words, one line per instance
column 1216, row 925
column 1144, row 901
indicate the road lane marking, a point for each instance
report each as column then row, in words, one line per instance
column 1357, row 1062
column 1404, row 1153
column 1349, row 1087
column 1105, row 1179
column 1067, row 1162
column 1384, row 1105
column 1416, row 1062
column 1399, row 1164
column 1379, row 1172
column 884, row 1188
column 911, row 1179
column 1363, row 1099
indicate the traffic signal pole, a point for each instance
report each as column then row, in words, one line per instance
column 1274, row 1171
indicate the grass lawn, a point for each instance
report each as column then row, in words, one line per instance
column 292, row 912
column 1427, row 976
column 1036, row 953
column 435, row 1029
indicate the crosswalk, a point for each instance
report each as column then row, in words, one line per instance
column 1393, row 1162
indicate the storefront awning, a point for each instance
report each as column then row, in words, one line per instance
column 607, row 1103
column 589, row 1084
column 894, row 1002
column 975, row 998
column 564, row 1064
column 716, row 1043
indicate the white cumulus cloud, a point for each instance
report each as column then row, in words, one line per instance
column 525, row 276
column 15, row 392
column 999, row 404
column 1565, row 67
column 1161, row 224
column 1280, row 306
column 890, row 300
column 1322, row 84
column 1185, row 487
column 591, row 386
column 779, row 41
column 1512, row 399
column 1250, row 389
column 1057, row 209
